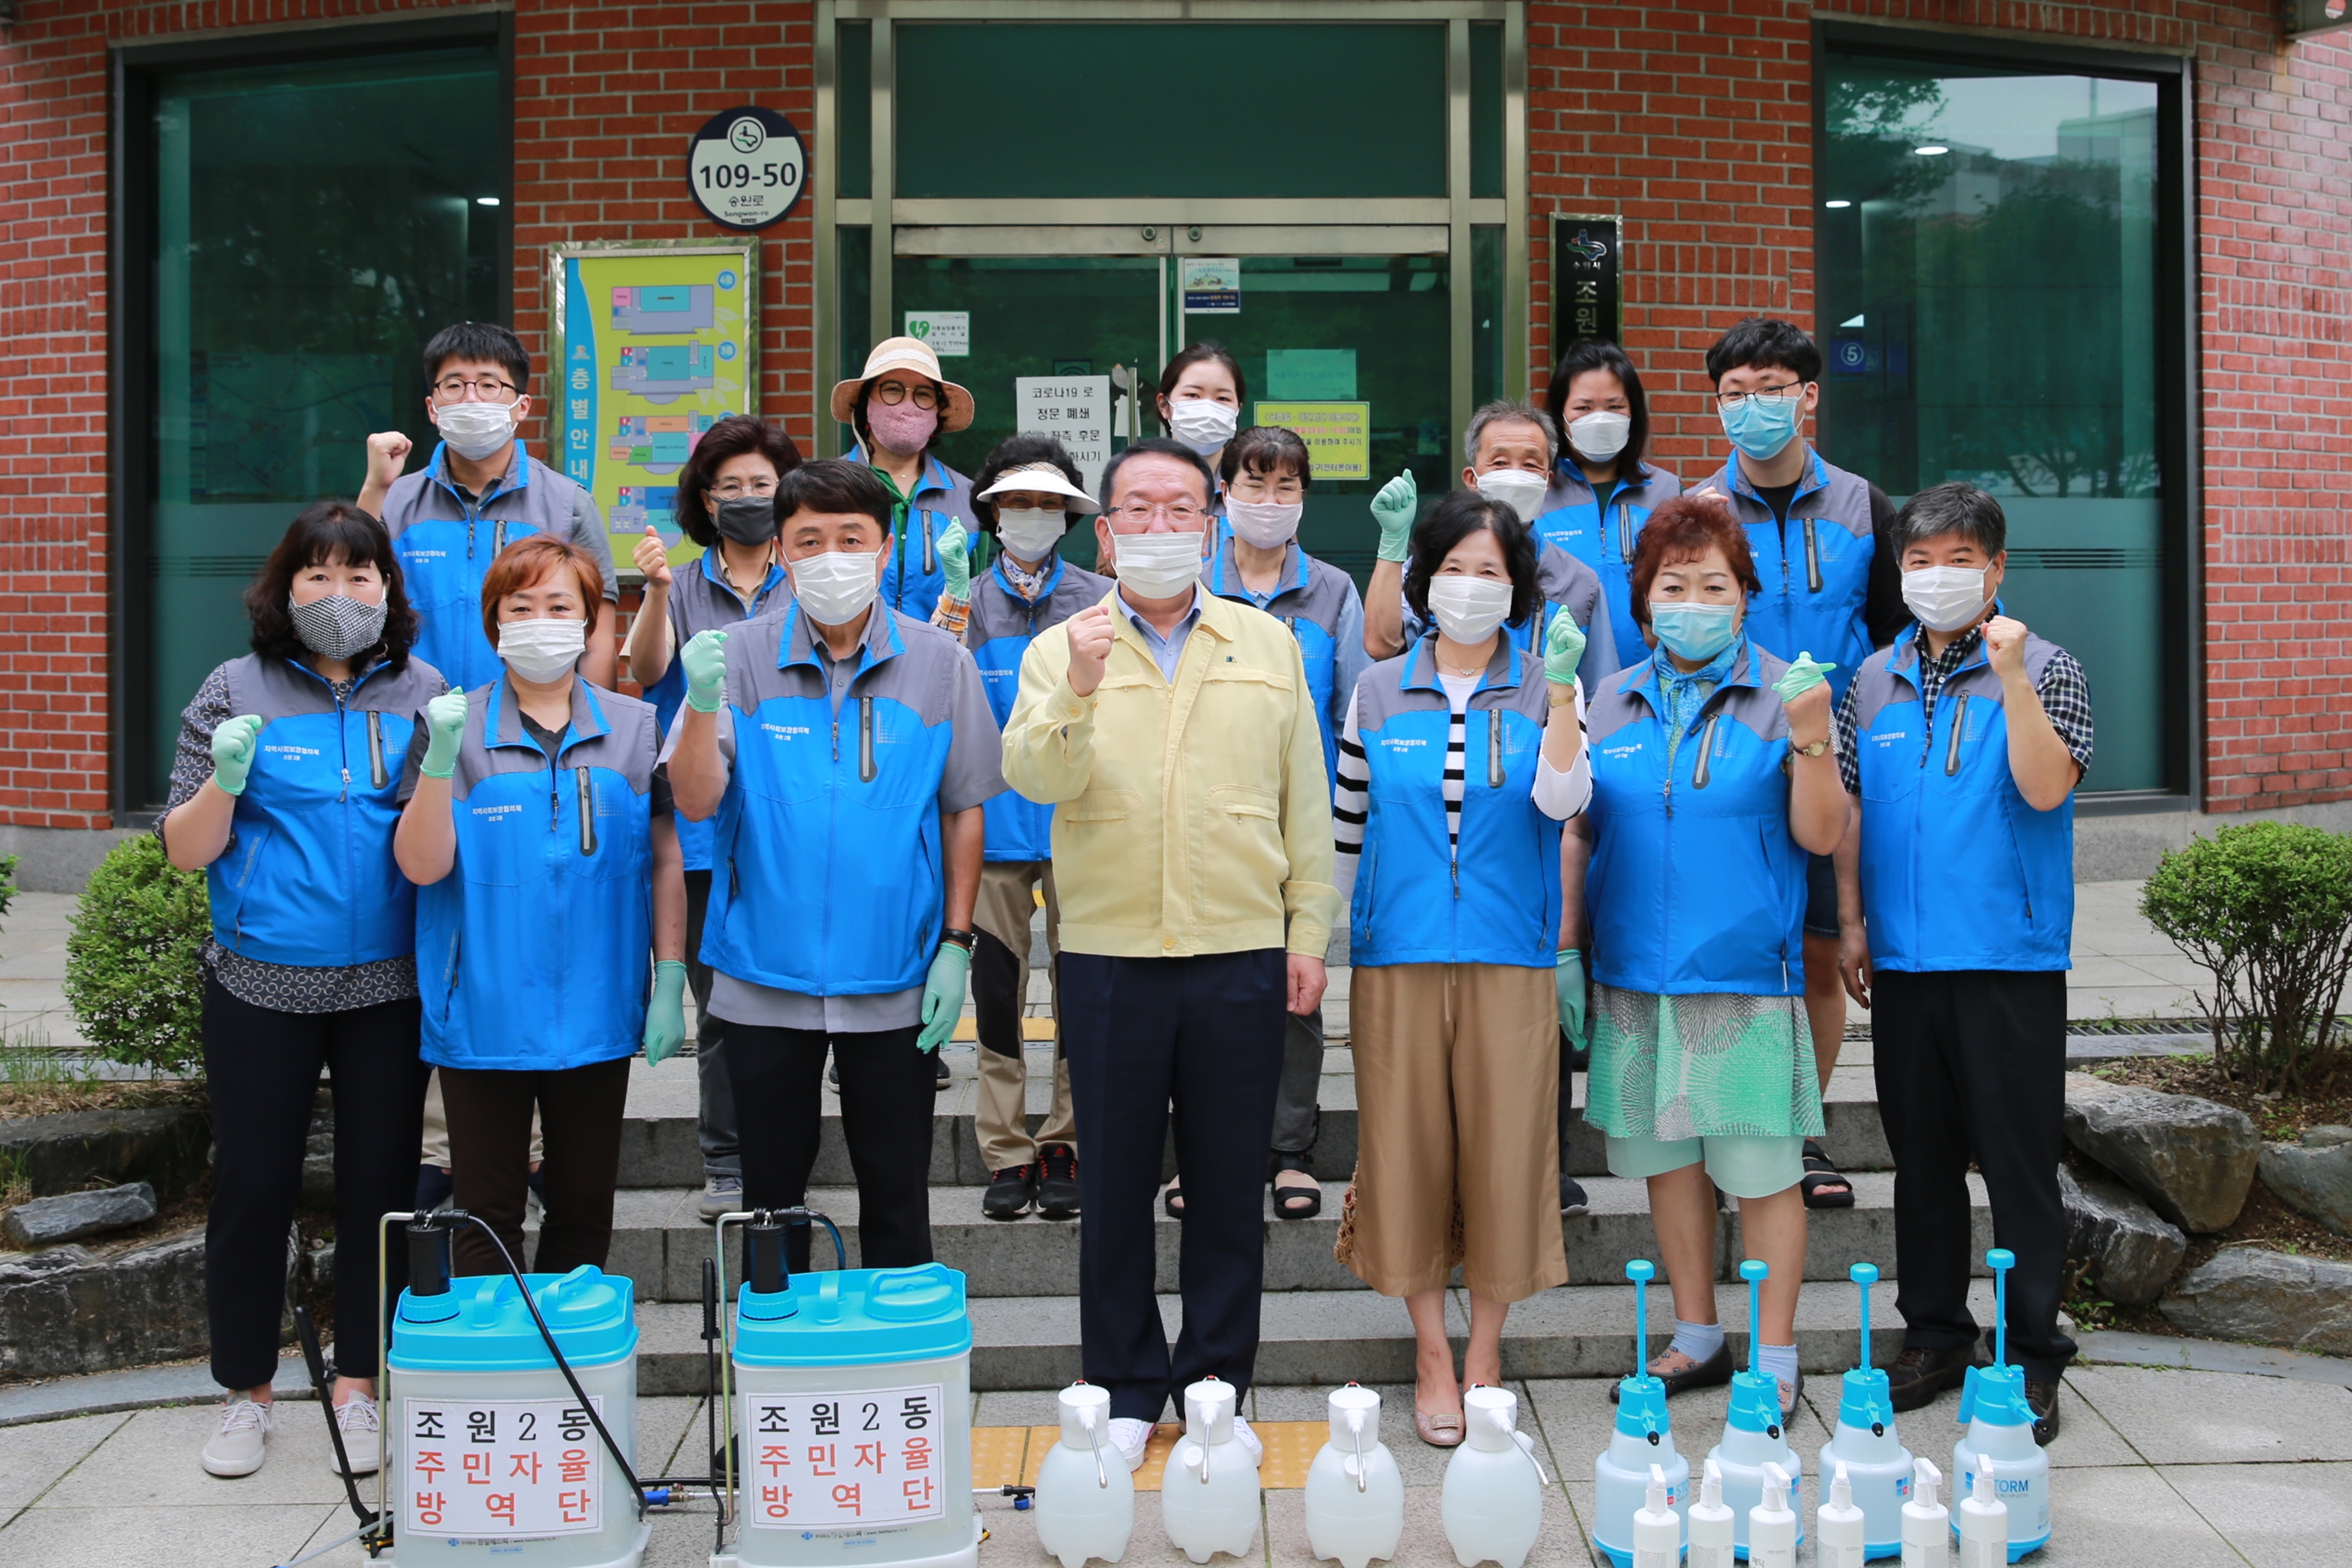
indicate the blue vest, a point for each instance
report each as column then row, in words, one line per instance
column 1416, row 902
column 700, row 600
column 829, row 829
column 1815, row 587
column 310, row 879
column 1309, row 600
column 1571, row 519
column 1001, row 627
column 1695, row 885
column 535, row 952
column 1958, row 871
column 911, row 583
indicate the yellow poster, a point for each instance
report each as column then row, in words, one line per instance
column 655, row 344
column 1338, row 435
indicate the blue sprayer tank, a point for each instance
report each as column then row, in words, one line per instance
column 1752, row 1434
column 1643, row 1435
column 1877, row 1465
column 2000, row 1432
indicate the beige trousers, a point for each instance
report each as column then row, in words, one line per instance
column 1457, row 1091
column 1000, row 1118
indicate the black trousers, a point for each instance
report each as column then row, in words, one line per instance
column 886, row 1106
column 262, row 1065
column 1971, row 1065
column 580, row 1110
column 1204, row 1034
column 715, row 1127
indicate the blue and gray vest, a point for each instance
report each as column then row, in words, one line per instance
column 1816, row 572
column 310, row 879
column 1695, row 884
column 911, row 583
column 1309, row 598
column 1958, row 871
column 1001, row 627
column 1416, row 900
column 1571, row 521
column 535, row 952
column 702, row 600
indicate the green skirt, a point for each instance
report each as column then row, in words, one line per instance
column 1669, row 1068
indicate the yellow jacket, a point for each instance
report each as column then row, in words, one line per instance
column 1192, row 819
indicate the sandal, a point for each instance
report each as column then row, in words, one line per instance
column 1293, row 1202
column 1172, row 1199
column 1822, row 1186
column 1678, row 1372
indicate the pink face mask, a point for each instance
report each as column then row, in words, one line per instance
column 901, row 427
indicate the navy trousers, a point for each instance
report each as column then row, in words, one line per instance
column 1202, row 1036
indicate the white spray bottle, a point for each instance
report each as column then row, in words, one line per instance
column 1355, row 1494
column 1984, row 1523
column 1713, row 1536
column 1999, row 1435
column 1642, row 1435
column 1492, row 1502
column 1772, row 1524
column 1657, row 1528
column 1086, row 1499
column 1876, row 1462
column 1208, row 1500
column 1926, row 1524
column 1837, row 1524
column 1752, row 1434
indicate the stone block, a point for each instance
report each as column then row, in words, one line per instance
column 2269, row 1298
column 69, row 1216
column 2314, row 1177
column 164, row 1146
column 2130, row 1249
column 2192, row 1159
column 65, row 1310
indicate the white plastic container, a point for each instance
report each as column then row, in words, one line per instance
column 1926, row 1524
column 1838, row 1524
column 1086, row 1499
column 1492, row 1502
column 1984, row 1523
column 1999, row 1438
column 1209, row 1495
column 1355, row 1493
column 1713, row 1535
column 1772, row 1524
column 1657, row 1528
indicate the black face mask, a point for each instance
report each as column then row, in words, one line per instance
column 747, row 520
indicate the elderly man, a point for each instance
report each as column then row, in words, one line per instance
column 1175, row 734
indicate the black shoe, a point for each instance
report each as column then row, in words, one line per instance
column 833, row 1074
column 1918, row 1375
column 938, row 1071
column 1713, row 1372
column 1571, row 1195
column 2043, row 1397
column 1010, row 1192
column 1058, row 1183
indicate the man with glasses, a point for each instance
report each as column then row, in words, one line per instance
column 479, row 492
column 1174, row 732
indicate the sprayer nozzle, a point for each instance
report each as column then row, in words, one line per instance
column 1841, row 1488
column 1776, row 1486
column 1981, row 1487
column 1710, row 1488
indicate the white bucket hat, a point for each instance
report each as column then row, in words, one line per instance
column 909, row 354
column 1044, row 477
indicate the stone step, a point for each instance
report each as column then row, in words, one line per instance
column 659, row 1149
column 1326, row 1338
column 658, row 1241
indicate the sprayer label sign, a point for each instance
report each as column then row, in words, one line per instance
column 506, row 1469
column 850, row 1460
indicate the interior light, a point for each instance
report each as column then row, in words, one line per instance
column 1837, row 206
column 486, row 201
column 1931, row 150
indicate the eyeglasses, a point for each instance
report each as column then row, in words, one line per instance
column 893, row 392
column 488, row 388
column 1183, row 514
column 1774, row 395
column 733, row 489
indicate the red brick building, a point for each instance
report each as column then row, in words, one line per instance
column 2091, row 255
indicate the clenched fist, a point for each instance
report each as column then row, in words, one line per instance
column 1090, row 639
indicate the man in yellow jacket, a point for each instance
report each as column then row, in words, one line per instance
column 1174, row 733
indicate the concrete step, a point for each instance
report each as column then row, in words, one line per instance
column 659, row 1149
column 658, row 1241
column 1326, row 1338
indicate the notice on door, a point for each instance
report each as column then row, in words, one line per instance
column 948, row 332
column 1338, row 435
column 1213, row 285
column 1074, row 410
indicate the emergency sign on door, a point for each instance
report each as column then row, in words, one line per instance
column 499, row 1469
column 747, row 167
column 858, row 1459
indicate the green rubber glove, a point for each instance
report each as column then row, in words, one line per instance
column 943, row 996
column 1563, row 647
column 444, row 723
column 235, row 743
column 704, row 660
column 955, row 561
column 665, row 1013
column 1393, row 508
column 1567, row 975
column 1802, row 677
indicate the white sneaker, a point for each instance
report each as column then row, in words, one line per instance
column 1130, row 1438
column 355, row 1418
column 1248, row 1439
column 242, row 1442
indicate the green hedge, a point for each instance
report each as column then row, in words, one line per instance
column 134, row 977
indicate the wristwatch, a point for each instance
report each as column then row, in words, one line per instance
column 1815, row 750
column 963, row 939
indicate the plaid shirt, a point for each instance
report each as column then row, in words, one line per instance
column 2064, row 691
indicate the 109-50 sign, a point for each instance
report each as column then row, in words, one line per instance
column 746, row 167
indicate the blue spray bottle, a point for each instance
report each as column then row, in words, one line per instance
column 1999, row 1435
column 1752, row 1437
column 1644, row 1436
column 1877, row 1465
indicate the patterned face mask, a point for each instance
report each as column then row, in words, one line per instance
column 338, row 625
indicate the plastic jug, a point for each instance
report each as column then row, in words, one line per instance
column 1752, row 1438
column 1877, row 1465
column 2000, row 1433
column 1355, row 1493
column 1643, row 1435
column 1086, row 1499
column 1209, row 1497
column 1492, row 1502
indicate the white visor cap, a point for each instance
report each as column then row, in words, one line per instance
column 1045, row 478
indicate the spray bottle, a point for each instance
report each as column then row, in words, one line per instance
column 1999, row 1436
column 1772, row 1524
column 1084, row 1499
column 1355, row 1493
column 1644, row 1436
column 1712, row 1532
column 1657, row 1528
column 1837, row 1524
column 1865, row 1446
column 1984, row 1522
column 1752, row 1438
column 1209, row 1497
column 1926, row 1524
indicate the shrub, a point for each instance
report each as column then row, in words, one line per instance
column 7, row 882
column 134, row 972
column 2267, row 907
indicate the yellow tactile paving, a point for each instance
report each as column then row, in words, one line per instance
column 1031, row 1029
column 1000, row 1455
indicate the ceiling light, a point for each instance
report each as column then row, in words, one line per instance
column 486, row 201
column 1931, row 150
column 1837, row 206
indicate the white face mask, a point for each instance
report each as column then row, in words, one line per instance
column 1599, row 434
column 544, row 649
column 1520, row 490
column 834, row 587
column 1201, row 424
column 1468, row 609
column 1267, row 525
column 1945, row 598
column 475, row 430
column 1030, row 531
column 1157, row 565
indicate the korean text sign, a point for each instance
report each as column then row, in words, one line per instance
column 863, row 1460
column 501, row 1469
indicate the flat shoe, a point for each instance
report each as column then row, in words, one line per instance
column 1438, row 1431
column 1712, row 1373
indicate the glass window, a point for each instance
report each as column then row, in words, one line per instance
column 314, row 225
column 854, row 108
column 1988, row 306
